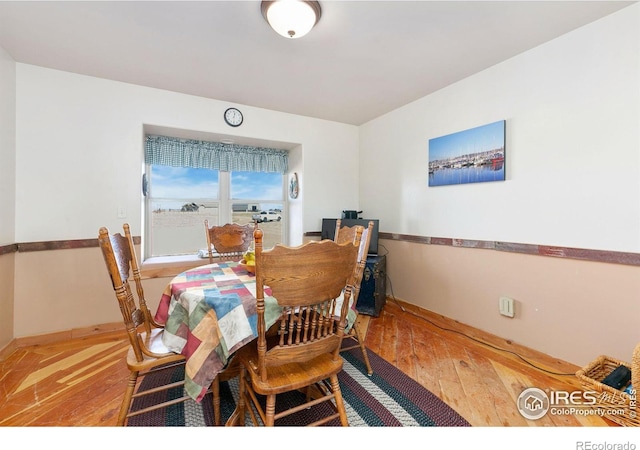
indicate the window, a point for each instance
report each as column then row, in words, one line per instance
column 253, row 193
column 179, row 197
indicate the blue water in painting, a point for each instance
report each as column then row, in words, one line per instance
column 466, row 175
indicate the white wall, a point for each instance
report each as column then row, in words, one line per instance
column 295, row 206
column 7, row 192
column 79, row 158
column 7, row 147
column 79, row 154
column 572, row 110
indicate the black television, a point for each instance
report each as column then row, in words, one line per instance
column 329, row 230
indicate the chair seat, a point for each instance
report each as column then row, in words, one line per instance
column 290, row 376
column 154, row 343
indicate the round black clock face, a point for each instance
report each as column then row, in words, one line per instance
column 233, row 117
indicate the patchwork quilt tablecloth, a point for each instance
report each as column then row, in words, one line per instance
column 209, row 312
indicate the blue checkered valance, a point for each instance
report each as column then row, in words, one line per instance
column 170, row 151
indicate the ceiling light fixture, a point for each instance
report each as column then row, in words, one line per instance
column 291, row 18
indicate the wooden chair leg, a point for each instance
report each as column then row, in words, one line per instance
column 252, row 408
column 270, row 410
column 363, row 348
column 128, row 396
column 335, row 387
column 215, row 389
column 237, row 417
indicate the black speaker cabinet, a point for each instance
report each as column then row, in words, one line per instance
column 373, row 289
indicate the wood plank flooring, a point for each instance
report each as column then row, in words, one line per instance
column 80, row 382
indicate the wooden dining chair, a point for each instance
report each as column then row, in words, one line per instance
column 147, row 354
column 305, row 353
column 228, row 242
column 353, row 338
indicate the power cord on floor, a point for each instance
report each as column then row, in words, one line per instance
column 393, row 297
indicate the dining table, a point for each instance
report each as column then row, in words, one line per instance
column 208, row 313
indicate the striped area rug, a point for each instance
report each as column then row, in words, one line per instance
column 388, row 398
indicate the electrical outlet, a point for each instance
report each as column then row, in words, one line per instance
column 507, row 306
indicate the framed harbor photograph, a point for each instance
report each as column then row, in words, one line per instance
column 472, row 156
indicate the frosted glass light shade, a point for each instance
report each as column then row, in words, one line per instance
column 291, row 18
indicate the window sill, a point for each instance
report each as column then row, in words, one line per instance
column 169, row 266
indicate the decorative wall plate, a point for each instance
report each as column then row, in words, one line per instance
column 294, row 188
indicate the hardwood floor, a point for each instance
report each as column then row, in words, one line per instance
column 80, row 382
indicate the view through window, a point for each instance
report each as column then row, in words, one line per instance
column 179, row 199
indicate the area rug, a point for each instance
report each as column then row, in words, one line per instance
column 388, row 398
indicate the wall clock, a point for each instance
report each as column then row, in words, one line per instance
column 233, row 117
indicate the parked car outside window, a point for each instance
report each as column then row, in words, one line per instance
column 267, row 216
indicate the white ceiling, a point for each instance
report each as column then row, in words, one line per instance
column 363, row 59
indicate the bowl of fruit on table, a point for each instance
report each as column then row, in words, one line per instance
column 249, row 261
